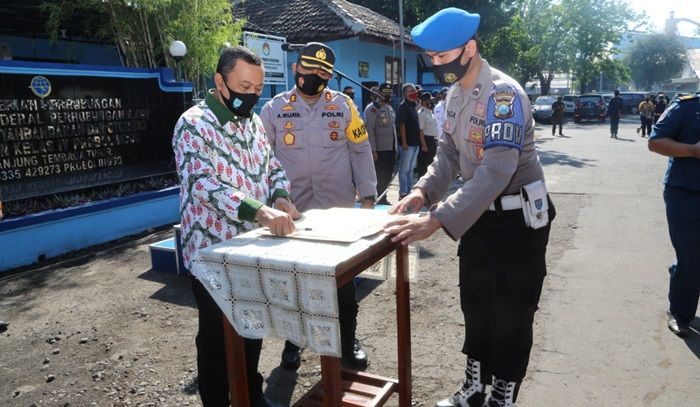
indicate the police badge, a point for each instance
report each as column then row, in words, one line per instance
column 504, row 100
column 450, row 77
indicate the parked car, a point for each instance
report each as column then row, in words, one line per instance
column 569, row 104
column 631, row 101
column 590, row 106
column 542, row 108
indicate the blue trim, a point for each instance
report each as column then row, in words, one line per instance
column 165, row 78
column 85, row 209
column 86, row 226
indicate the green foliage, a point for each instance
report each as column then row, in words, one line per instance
column 144, row 29
column 595, row 25
column 655, row 59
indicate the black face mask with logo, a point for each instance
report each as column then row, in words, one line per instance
column 240, row 104
column 313, row 84
column 452, row 71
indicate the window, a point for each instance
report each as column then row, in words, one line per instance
column 392, row 71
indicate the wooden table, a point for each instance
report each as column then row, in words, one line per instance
column 350, row 388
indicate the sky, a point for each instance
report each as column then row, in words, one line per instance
column 658, row 12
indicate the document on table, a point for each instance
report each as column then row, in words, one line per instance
column 338, row 224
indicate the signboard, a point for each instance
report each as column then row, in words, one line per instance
column 269, row 48
column 64, row 128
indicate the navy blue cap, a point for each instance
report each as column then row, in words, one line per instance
column 447, row 29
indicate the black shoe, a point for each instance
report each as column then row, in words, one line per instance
column 3, row 326
column 291, row 358
column 357, row 360
column 677, row 327
column 262, row 401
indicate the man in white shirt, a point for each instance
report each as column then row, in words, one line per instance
column 429, row 129
column 439, row 111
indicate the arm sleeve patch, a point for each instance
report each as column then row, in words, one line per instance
column 355, row 131
column 505, row 121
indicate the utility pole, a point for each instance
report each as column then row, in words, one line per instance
column 402, row 71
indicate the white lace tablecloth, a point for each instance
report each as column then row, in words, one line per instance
column 272, row 286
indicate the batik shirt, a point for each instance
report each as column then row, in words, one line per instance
column 227, row 171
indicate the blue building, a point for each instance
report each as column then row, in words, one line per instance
column 366, row 44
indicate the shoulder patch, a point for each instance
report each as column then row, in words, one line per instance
column 687, row 98
column 505, row 121
column 355, row 131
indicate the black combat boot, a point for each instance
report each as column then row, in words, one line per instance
column 472, row 392
column 503, row 393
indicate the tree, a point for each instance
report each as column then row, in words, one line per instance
column 144, row 29
column 493, row 12
column 655, row 59
column 593, row 26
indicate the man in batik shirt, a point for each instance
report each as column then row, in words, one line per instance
column 228, row 173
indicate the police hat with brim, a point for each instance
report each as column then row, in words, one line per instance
column 385, row 88
column 447, row 29
column 317, row 55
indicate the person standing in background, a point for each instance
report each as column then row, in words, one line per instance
column 660, row 106
column 439, row 111
column 379, row 121
column 429, row 132
column 410, row 139
column 615, row 113
column 557, row 115
column 646, row 116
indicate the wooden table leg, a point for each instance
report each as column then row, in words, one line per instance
column 235, row 366
column 330, row 380
column 403, row 325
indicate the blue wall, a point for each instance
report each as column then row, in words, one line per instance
column 348, row 52
column 39, row 49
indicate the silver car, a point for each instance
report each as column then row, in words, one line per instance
column 542, row 108
column 569, row 104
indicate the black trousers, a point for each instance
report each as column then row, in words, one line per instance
column 211, row 354
column 646, row 126
column 348, row 308
column 384, row 168
column 425, row 158
column 501, row 271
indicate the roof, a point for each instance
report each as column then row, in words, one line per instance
column 317, row 20
column 693, row 56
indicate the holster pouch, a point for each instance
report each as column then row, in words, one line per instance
column 535, row 206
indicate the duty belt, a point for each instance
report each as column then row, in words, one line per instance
column 506, row 203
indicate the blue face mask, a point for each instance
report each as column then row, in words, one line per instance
column 240, row 104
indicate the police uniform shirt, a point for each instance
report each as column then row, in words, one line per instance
column 488, row 136
column 379, row 122
column 439, row 113
column 427, row 122
column 321, row 147
column 681, row 122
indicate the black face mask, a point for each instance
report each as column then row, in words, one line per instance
column 452, row 71
column 240, row 104
column 313, row 84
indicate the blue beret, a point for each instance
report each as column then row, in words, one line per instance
column 447, row 29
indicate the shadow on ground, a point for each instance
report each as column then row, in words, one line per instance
column 176, row 290
column 548, row 157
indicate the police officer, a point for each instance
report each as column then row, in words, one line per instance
column 379, row 120
column 321, row 141
column 677, row 135
column 615, row 113
column 501, row 213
